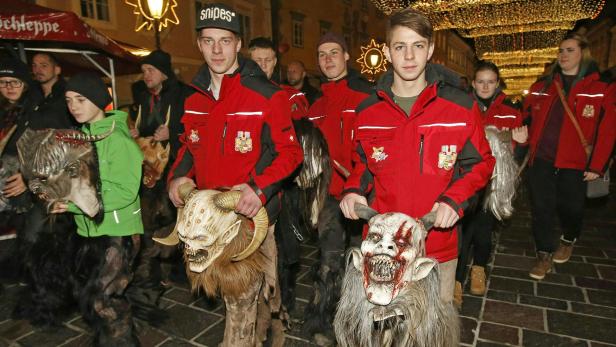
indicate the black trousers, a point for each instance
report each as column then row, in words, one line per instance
column 477, row 230
column 555, row 192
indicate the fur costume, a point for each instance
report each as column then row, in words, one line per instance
column 391, row 291
column 302, row 200
column 62, row 165
column 501, row 190
column 225, row 256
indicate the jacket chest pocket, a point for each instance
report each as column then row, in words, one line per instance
column 195, row 131
column 588, row 109
column 378, row 145
column 439, row 146
column 242, row 133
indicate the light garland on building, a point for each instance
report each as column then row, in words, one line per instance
column 521, row 71
column 519, row 41
column 478, row 17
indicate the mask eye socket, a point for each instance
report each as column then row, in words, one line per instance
column 374, row 237
column 73, row 170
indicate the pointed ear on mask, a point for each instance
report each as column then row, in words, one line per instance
column 356, row 258
column 423, row 266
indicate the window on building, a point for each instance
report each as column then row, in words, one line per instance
column 298, row 34
column 95, row 9
column 297, row 22
column 245, row 28
column 324, row 27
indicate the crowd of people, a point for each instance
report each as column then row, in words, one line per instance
column 414, row 142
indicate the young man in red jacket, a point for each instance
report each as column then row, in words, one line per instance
column 334, row 114
column 559, row 166
column 420, row 144
column 238, row 130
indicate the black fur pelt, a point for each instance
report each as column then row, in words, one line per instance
column 102, row 273
column 46, row 248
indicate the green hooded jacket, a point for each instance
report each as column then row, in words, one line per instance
column 119, row 161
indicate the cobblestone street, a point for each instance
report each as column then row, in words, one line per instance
column 574, row 306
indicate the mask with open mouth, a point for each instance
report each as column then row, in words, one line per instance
column 392, row 255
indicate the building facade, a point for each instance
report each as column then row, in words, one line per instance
column 299, row 25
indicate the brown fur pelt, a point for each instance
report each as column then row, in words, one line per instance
column 225, row 276
column 427, row 320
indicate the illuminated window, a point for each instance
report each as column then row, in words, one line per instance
column 95, row 9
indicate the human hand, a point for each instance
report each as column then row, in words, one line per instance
column 59, row 207
column 15, row 186
column 134, row 133
column 347, row 205
column 520, row 135
column 249, row 203
column 590, row 176
column 446, row 217
column 174, row 192
column 162, row 133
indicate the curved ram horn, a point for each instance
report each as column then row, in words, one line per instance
column 364, row 212
column 428, row 220
column 93, row 138
column 186, row 191
column 6, row 138
column 168, row 116
column 228, row 200
column 138, row 120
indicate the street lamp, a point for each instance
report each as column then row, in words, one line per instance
column 372, row 59
column 154, row 14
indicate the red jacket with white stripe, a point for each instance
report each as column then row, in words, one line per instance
column 501, row 113
column 245, row 136
column 593, row 102
column 438, row 154
column 334, row 114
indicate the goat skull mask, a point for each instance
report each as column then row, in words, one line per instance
column 207, row 224
column 205, row 229
column 392, row 255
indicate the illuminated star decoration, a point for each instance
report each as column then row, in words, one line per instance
column 372, row 59
column 145, row 18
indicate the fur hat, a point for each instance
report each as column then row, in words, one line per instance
column 335, row 38
column 92, row 87
column 161, row 60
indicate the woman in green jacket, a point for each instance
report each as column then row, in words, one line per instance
column 107, row 248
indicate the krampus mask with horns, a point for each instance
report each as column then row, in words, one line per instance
column 393, row 253
column 215, row 238
column 61, row 165
column 155, row 155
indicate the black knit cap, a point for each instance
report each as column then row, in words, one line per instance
column 10, row 67
column 160, row 60
column 90, row 86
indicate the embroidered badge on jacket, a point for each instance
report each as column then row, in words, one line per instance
column 243, row 142
column 589, row 111
column 447, row 157
column 378, row 153
column 194, row 136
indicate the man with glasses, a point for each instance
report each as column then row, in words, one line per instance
column 238, row 134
